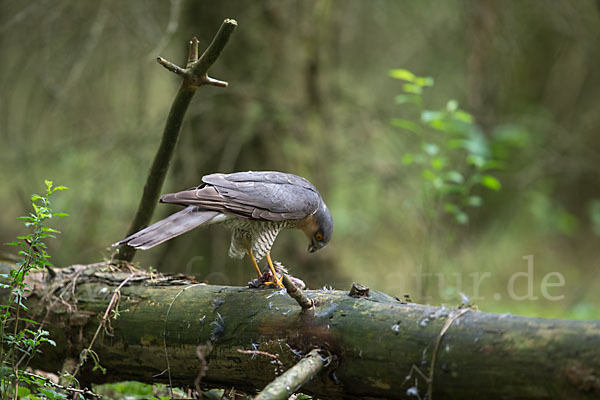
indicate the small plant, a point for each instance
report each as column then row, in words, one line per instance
column 452, row 153
column 21, row 337
column 454, row 159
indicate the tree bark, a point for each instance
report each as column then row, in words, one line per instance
column 175, row 330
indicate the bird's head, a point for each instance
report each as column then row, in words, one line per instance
column 320, row 228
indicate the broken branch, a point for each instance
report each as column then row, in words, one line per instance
column 293, row 379
column 295, row 293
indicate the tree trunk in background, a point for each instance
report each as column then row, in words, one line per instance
column 375, row 342
column 481, row 77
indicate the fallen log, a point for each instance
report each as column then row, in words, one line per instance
column 173, row 330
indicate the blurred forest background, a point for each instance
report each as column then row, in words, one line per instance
column 83, row 102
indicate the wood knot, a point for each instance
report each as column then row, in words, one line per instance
column 358, row 290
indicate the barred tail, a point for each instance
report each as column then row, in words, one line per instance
column 170, row 227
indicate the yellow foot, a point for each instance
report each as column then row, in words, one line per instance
column 277, row 280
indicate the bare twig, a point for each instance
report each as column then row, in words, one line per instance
column 213, row 51
column 194, row 75
column 262, row 353
column 165, row 336
column 87, row 393
column 172, row 67
column 193, row 52
column 202, row 351
column 116, row 295
column 304, row 301
column 445, row 328
column 293, row 379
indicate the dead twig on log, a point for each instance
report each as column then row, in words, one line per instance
column 293, row 379
column 296, row 294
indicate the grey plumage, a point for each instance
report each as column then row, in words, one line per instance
column 165, row 229
column 256, row 206
column 263, row 196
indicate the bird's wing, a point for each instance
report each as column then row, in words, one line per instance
column 266, row 196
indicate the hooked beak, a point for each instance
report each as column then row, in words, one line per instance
column 312, row 248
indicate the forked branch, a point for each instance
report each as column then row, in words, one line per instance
column 194, row 75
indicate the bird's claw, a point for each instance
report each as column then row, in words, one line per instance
column 267, row 279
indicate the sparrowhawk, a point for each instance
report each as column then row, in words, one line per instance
column 256, row 206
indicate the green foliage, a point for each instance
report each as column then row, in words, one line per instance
column 21, row 337
column 594, row 214
column 450, row 151
column 139, row 390
column 131, row 389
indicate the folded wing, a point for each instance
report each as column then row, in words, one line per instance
column 266, row 196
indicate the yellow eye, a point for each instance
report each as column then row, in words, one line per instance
column 319, row 236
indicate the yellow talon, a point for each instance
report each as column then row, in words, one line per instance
column 277, row 280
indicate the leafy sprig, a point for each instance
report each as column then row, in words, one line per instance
column 453, row 154
column 20, row 338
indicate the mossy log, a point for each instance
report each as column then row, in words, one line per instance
column 174, row 330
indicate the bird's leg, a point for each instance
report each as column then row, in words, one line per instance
column 277, row 280
column 254, row 263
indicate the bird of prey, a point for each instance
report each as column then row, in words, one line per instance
column 256, row 206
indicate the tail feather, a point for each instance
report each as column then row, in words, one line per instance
column 170, row 227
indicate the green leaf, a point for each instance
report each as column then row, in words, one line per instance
column 51, row 394
column 455, row 176
column 461, row 217
column 406, row 124
column 491, row 182
column 463, row 116
column 60, row 215
column 475, row 160
column 407, row 159
column 440, row 125
column 402, row 74
column 451, row 208
column 408, row 98
column 429, row 116
column 60, row 188
column 438, row 163
column 431, row 149
column 428, row 175
column 474, row 201
column 29, row 320
column 412, row 88
column 22, row 391
column 424, row 81
column 452, row 105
